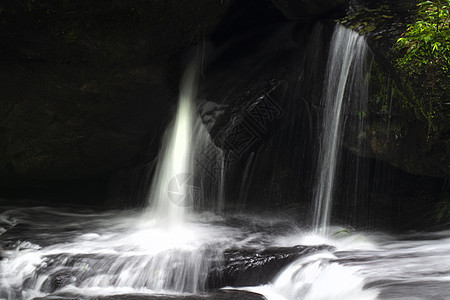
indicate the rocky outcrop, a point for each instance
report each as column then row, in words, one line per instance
column 397, row 132
column 408, row 123
column 86, row 86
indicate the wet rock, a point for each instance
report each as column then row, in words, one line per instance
column 214, row 116
column 395, row 130
column 252, row 267
column 261, row 106
column 237, row 128
column 59, row 280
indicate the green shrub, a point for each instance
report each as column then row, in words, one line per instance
column 423, row 53
column 427, row 41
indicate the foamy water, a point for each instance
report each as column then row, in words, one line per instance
column 111, row 253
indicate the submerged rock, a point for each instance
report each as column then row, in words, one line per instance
column 218, row 295
column 245, row 267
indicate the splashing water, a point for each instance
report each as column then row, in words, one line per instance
column 164, row 250
column 108, row 254
column 88, row 254
column 316, row 277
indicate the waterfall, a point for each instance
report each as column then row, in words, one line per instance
column 347, row 53
column 172, row 190
column 190, row 168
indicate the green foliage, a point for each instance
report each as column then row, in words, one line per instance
column 424, row 57
column 427, row 41
column 362, row 115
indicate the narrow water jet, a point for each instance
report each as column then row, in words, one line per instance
column 347, row 49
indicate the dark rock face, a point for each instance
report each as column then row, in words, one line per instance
column 295, row 10
column 86, row 86
column 224, row 122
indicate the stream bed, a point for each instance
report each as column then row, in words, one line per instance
column 82, row 253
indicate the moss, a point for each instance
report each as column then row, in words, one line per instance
column 420, row 92
column 442, row 211
column 395, row 130
column 386, row 98
column 367, row 20
column 428, row 87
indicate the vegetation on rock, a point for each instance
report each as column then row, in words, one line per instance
column 424, row 60
column 408, row 118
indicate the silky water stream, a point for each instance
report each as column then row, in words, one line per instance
column 170, row 250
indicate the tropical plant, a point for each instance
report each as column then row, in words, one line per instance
column 423, row 53
column 427, row 41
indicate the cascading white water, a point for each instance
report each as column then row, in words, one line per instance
column 163, row 251
column 189, row 165
column 112, row 254
column 348, row 50
column 166, row 250
column 68, row 254
column 317, row 277
column 172, row 191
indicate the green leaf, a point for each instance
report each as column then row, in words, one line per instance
column 436, row 46
column 345, row 231
column 425, row 3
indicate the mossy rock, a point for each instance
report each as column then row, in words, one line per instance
column 395, row 132
column 408, row 119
